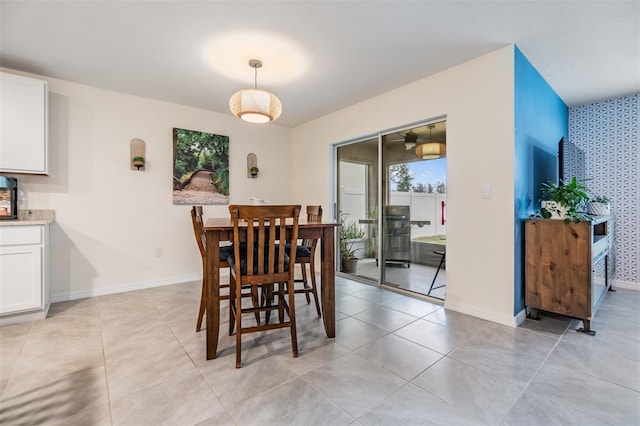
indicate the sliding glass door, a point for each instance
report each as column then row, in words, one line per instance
column 358, row 185
column 392, row 203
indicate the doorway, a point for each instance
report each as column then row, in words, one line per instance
column 392, row 199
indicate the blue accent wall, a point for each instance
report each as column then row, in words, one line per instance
column 541, row 120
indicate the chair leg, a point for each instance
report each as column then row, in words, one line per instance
column 292, row 317
column 203, row 306
column 232, row 304
column 267, row 294
column 436, row 275
column 314, row 288
column 281, row 302
column 305, row 282
column 256, row 302
column 238, row 302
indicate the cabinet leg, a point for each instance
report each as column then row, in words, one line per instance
column 586, row 328
column 533, row 314
column 606, row 273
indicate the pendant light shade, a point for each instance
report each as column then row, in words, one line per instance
column 255, row 105
column 430, row 151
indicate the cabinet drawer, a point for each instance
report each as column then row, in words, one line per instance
column 19, row 235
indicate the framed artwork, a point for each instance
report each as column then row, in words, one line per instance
column 200, row 167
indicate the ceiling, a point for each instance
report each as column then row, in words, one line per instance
column 319, row 56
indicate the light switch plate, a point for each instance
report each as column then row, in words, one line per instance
column 486, row 191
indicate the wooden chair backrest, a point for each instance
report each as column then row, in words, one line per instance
column 265, row 233
column 314, row 214
column 198, row 229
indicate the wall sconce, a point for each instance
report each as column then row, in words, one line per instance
column 138, row 154
column 252, row 166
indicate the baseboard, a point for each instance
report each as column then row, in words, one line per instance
column 510, row 321
column 520, row 317
column 625, row 284
column 19, row 317
column 65, row 297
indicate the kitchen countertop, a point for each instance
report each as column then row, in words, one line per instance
column 31, row 217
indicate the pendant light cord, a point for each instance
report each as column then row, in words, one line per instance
column 255, row 78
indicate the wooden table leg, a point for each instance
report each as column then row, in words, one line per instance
column 213, row 292
column 328, row 281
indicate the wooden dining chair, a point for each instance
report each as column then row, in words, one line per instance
column 225, row 251
column 264, row 262
column 305, row 255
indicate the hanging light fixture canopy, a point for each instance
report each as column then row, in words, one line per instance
column 431, row 150
column 255, row 105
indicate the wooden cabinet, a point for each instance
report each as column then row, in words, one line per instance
column 568, row 266
column 24, row 292
column 23, row 125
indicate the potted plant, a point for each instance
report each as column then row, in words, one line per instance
column 348, row 234
column 138, row 162
column 254, row 171
column 563, row 200
column 600, row 206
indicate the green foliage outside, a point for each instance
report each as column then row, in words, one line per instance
column 195, row 150
column 420, row 187
column 401, row 176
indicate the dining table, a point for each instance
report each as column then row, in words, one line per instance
column 220, row 229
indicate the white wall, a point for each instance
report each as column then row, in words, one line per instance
column 110, row 219
column 477, row 98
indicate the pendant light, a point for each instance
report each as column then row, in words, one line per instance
column 255, row 105
column 431, row 150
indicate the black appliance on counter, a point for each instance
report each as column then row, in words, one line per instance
column 398, row 238
column 8, row 198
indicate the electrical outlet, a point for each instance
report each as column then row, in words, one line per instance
column 157, row 252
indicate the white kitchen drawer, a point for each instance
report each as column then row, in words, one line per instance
column 20, row 235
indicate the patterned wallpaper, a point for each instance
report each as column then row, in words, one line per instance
column 609, row 135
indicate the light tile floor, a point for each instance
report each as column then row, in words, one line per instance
column 417, row 278
column 135, row 359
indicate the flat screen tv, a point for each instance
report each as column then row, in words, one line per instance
column 570, row 161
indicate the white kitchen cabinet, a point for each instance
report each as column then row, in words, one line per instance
column 23, row 125
column 24, row 291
